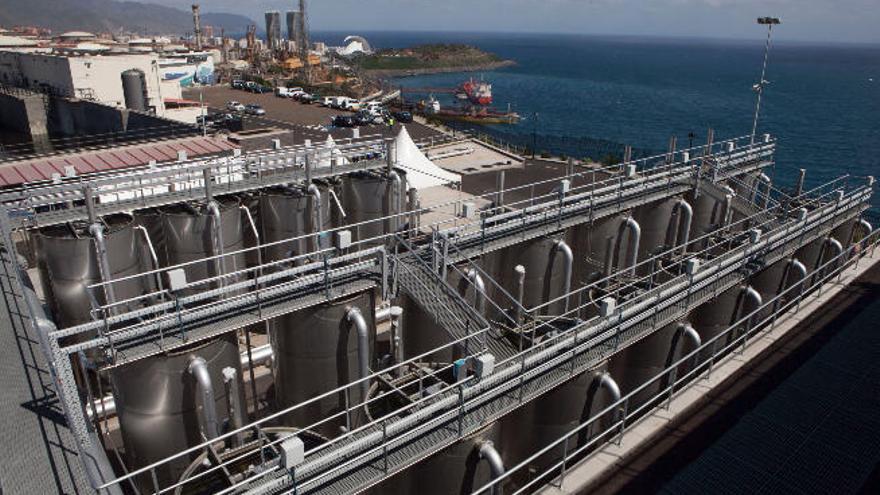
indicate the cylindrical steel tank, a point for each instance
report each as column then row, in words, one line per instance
column 316, row 351
column 645, row 359
column 459, row 468
column 134, row 88
column 591, row 242
column 291, row 212
column 68, row 263
column 654, row 219
column 372, row 195
column 545, row 272
column 549, row 417
column 160, row 404
column 188, row 232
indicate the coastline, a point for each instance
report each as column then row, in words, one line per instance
column 394, row 73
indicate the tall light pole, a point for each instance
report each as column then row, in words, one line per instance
column 759, row 87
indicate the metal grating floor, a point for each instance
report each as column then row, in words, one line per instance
column 817, row 432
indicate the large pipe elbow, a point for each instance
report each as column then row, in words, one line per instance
column 832, row 243
column 795, row 265
column 198, row 368
column 318, row 217
column 568, row 270
column 679, row 230
column 608, row 383
column 689, row 332
column 356, row 318
column 635, row 237
column 490, row 454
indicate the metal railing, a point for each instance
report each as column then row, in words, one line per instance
column 735, row 337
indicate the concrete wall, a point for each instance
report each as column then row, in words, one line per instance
column 98, row 77
column 26, row 115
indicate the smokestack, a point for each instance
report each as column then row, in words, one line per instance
column 197, row 26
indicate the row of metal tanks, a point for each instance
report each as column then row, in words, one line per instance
column 170, row 402
column 536, row 272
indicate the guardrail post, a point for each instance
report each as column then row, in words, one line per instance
column 624, row 413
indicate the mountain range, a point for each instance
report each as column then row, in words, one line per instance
column 111, row 15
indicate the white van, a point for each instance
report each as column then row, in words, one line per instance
column 373, row 107
column 282, row 92
column 352, row 105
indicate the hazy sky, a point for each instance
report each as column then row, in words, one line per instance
column 820, row 20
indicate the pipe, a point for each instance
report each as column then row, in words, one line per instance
column 864, row 224
column 520, row 290
column 217, row 238
column 748, row 294
column 686, row 330
column 319, row 214
column 477, row 282
column 396, row 337
column 394, row 204
column 799, row 188
column 794, row 264
column 679, row 230
column 490, row 454
column 198, row 368
column 356, row 318
column 609, row 256
column 726, row 210
column 233, row 406
column 97, row 231
column 608, row 383
column 633, row 248
column 153, row 256
column 568, row 269
column 762, row 177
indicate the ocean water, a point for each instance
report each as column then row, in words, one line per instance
column 823, row 102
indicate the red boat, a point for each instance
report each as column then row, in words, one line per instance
column 476, row 92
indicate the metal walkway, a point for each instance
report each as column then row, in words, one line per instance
column 382, row 449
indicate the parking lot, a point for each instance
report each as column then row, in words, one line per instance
column 310, row 121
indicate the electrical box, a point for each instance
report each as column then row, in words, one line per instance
column 468, row 210
column 342, row 239
column 484, row 365
column 181, row 155
column 459, row 369
column 802, row 214
column 685, row 156
column 236, row 152
column 276, row 144
column 754, row 235
column 692, row 266
column 731, row 146
column 176, row 279
column 607, row 306
column 564, row 186
column 631, row 170
column 293, row 452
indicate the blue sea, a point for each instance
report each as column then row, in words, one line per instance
column 823, row 101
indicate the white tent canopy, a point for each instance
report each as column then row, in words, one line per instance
column 421, row 172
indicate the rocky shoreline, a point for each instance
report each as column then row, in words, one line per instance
column 392, row 73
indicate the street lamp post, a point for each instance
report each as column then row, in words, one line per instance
column 535, row 135
column 759, row 87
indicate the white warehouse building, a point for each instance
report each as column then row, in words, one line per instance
column 93, row 77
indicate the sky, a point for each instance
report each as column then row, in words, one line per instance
column 803, row 20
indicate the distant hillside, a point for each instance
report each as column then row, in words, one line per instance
column 110, row 15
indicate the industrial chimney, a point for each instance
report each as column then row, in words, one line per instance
column 197, row 26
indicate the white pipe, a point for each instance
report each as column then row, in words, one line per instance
column 608, row 383
column 865, row 225
column 97, row 231
column 397, row 336
column 490, row 454
column 635, row 230
column 394, row 204
column 830, row 242
column 153, row 256
column 217, row 238
column 679, row 230
column 198, row 368
column 520, row 290
column 568, row 269
column 748, row 294
column 356, row 318
column 477, row 282
column 319, row 214
column 762, row 177
column 233, row 405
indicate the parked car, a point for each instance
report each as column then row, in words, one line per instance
column 235, row 106
column 374, row 107
column 326, row 101
column 237, row 84
column 254, row 110
column 307, row 98
column 260, row 89
column 344, row 121
column 352, row 105
column 402, row 117
column 366, row 118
